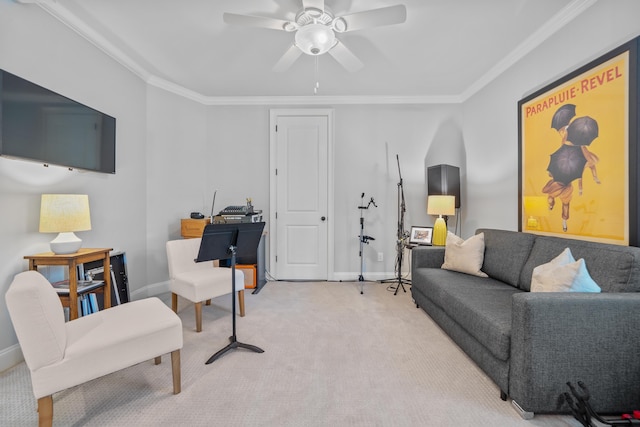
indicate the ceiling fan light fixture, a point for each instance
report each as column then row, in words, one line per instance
column 315, row 39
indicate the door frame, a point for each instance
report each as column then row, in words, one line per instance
column 274, row 114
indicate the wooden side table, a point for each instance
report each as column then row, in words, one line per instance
column 72, row 261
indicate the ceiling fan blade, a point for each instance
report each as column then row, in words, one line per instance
column 287, row 59
column 254, row 21
column 318, row 4
column 376, row 17
column 345, row 57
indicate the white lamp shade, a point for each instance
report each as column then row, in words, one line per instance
column 64, row 214
column 441, row 205
column 315, row 39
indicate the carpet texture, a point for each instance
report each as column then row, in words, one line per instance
column 333, row 357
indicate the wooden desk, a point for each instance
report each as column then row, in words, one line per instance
column 72, row 261
column 193, row 228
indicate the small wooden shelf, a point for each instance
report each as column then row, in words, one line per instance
column 72, row 261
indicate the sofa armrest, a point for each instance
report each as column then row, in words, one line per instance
column 427, row 257
column 561, row 337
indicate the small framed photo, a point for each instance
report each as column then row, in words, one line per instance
column 421, row 235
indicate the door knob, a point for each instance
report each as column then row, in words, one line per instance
column 323, row 218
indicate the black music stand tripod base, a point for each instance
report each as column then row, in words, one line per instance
column 232, row 346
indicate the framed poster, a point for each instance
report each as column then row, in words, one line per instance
column 421, row 235
column 578, row 152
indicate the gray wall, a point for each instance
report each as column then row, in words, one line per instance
column 37, row 47
column 172, row 153
column 491, row 117
column 185, row 169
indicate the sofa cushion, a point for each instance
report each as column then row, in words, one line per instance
column 505, row 253
column 464, row 256
column 614, row 268
column 482, row 306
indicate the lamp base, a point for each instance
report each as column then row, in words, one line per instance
column 65, row 243
column 439, row 233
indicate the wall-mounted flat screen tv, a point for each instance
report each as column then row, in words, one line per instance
column 41, row 125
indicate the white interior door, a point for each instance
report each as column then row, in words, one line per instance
column 300, row 162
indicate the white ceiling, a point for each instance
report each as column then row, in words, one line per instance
column 445, row 51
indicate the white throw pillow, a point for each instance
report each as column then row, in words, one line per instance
column 465, row 256
column 583, row 281
column 563, row 274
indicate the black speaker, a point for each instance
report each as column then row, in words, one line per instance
column 444, row 180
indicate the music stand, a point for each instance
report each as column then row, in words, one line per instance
column 226, row 241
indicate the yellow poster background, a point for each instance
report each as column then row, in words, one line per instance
column 601, row 212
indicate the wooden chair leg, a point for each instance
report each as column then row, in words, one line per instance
column 175, row 368
column 157, row 360
column 45, row 411
column 207, row 302
column 241, row 302
column 198, row 316
column 174, row 302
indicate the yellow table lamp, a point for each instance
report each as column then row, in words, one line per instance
column 535, row 209
column 440, row 205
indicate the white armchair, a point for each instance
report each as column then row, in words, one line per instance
column 61, row 355
column 198, row 281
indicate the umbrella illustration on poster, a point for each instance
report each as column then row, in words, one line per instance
column 566, row 164
column 582, row 131
column 563, row 115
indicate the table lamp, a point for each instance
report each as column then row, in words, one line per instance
column 440, row 205
column 64, row 214
column 535, row 208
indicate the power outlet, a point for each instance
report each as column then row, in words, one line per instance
column 380, row 256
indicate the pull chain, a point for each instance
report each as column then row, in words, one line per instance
column 317, row 86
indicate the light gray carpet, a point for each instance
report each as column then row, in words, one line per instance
column 332, row 357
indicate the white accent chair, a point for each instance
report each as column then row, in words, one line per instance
column 61, row 355
column 198, row 281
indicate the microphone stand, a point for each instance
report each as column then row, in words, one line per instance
column 363, row 239
column 401, row 236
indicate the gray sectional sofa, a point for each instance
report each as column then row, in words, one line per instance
column 531, row 343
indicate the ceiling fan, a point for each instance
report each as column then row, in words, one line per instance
column 315, row 28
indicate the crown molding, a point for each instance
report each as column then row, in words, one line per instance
column 556, row 23
column 296, row 100
column 568, row 13
column 65, row 16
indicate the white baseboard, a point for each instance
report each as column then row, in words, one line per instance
column 368, row 277
column 150, row 290
column 162, row 287
column 10, row 357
